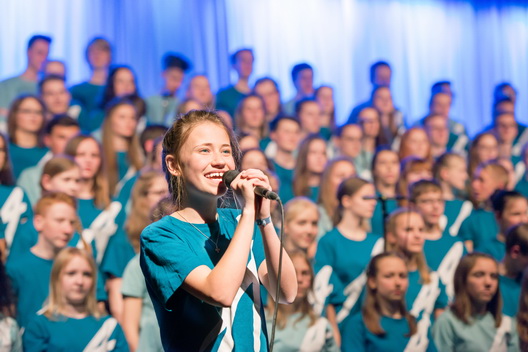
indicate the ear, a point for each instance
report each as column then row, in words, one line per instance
column 443, row 174
column 149, row 144
column 172, row 167
column 390, row 238
column 45, row 181
column 46, row 140
column 515, row 251
column 371, row 283
column 346, row 200
column 38, row 222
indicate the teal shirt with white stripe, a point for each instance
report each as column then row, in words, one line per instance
column 479, row 227
column 68, row 334
column 340, row 271
column 170, row 250
column 455, row 212
column 357, row 337
column 15, row 212
column 451, row 334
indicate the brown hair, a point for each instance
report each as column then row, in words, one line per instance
column 462, row 302
column 371, row 310
column 421, row 262
column 55, row 304
column 239, row 118
column 328, row 196
column 12, row 124
column 444, row 161
column 177, row 135
column 301, row 173
column 349, row 187
column 405, row 151
column 6, row 172
column 408, row 165
column 498, row 173
column 423, row 186
column 51, row 198
column 474, row 161
column 302, row 306
column 100, row 186
column 138, row 217
column 522, row 313
column 57, row 165
column 134, row 152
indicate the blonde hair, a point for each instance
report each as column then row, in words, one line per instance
column 327, row 195
column 57, row 165
column 139, row 216
column 55, row 302
column 134, row 152
column 301, row 173
column 421, row 262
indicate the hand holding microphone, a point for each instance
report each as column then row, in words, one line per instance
column 230, row 175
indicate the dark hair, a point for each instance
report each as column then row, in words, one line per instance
column 500, row 198
column 434, row 95
column 36, row 37
column 99, row 41
column 47, row 79
column 498, row 93
column 6, row 172
column 517, row 235
column 340, row 129
column 299, row 105
column 420, row 187
column 377, row 152
column 375, row 66
column 63, row 120
column 12, row 123
column 109, row 89
column 6, row 294
column 151, row 132
column 495, row 107
column 266, row 79
column 173, row 60
column 233, row 57
column 298, row 68
column 437, row 87
column 274, row 124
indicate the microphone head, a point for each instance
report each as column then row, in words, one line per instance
column 229, row 176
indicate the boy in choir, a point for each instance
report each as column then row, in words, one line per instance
column 436, row 128
column 228, row 98
column 55, row 220
column 57, row 98
column 302, row 77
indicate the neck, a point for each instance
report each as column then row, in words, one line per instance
column 242, row 85
column 478, row 308
column 447, row 191
column 369, row 144
column 86, row 188
column 390, row 309
column 505, row 149
column 120, row 144
column 45, row 250
column 432, row 232
column 412, row 262
column 508, row 268
column 326, row 119
column 285, row 159
column 254, row 131
column 99, row 76
column 76, row 311
column 198, row 210
column 437, row 150
column 30, row 74
column 300, row 95
column 350, row 227
column 314, row 179
column 26, row 139
column 385, row 189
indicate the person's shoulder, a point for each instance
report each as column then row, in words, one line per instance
column 164, row 225
column 10, row 81
column 230, row 89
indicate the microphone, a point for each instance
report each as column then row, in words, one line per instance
column 382, row 198
column 230, row 175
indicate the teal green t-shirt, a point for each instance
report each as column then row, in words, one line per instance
column 357, row 337
column 376, row 223
column 479, row 227
column 451, row 334
column 161, row 109
column 68, row 334
column 285, row 182
column 87, row 94
column 170, row 250
column 13, row 87
column 15, row 212
column 118, row 253
column 494, row 247
column 227, row 99
column 510, row 290
column 340, row 271
column 25, row 157
column 133, row 285
column 455, row 212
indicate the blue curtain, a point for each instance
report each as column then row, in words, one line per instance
column 475, row 44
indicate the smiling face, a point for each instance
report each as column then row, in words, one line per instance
column 204, row 157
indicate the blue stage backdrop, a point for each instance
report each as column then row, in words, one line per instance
column 475, row 44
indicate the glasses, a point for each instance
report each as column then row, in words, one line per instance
column 431, row 201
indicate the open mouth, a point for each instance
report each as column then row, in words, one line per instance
column 214, row 175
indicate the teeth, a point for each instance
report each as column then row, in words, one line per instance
column 215, row 175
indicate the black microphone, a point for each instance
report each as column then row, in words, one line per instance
column 381, row 197
column 230, row 175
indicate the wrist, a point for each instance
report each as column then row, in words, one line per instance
column 263, row 221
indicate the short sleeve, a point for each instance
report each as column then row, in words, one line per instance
column 36, row 336
column 117, row 255
column 133, row 280
column 442, row 300
column 165, row 260
column 464, row 233
column 443, row 333
column 353, row 334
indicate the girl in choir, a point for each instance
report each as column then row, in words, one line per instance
column 413, row 169
column 484, row 148
column 250, row 117
column 10, row 339
column 336, row 171
column 71, row 321
column 300, row 226
column 255, row 159
column 415, row 142
column 309, row 167
column 340, row 276
column 369, row 121
column 268, row 90
column 426, row 298
column 100, row 216
column 199, row 90
column 149, row 188
column 385, row 172
column 450, row 171
column 121, row 147
column 212, row 257
column 510, row 209
column 385, row 323
column 299, row 328
column 474, row 322
column 25, row 129
column 522, row 315
column 324, row 95
column 16, row 209
column 61, row 174
column 392, row 124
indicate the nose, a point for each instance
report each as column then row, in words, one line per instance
column 218, row 160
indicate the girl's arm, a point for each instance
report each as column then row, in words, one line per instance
column 131, row 318
column 332, row 318
column 115, row 298
column 220, row 285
